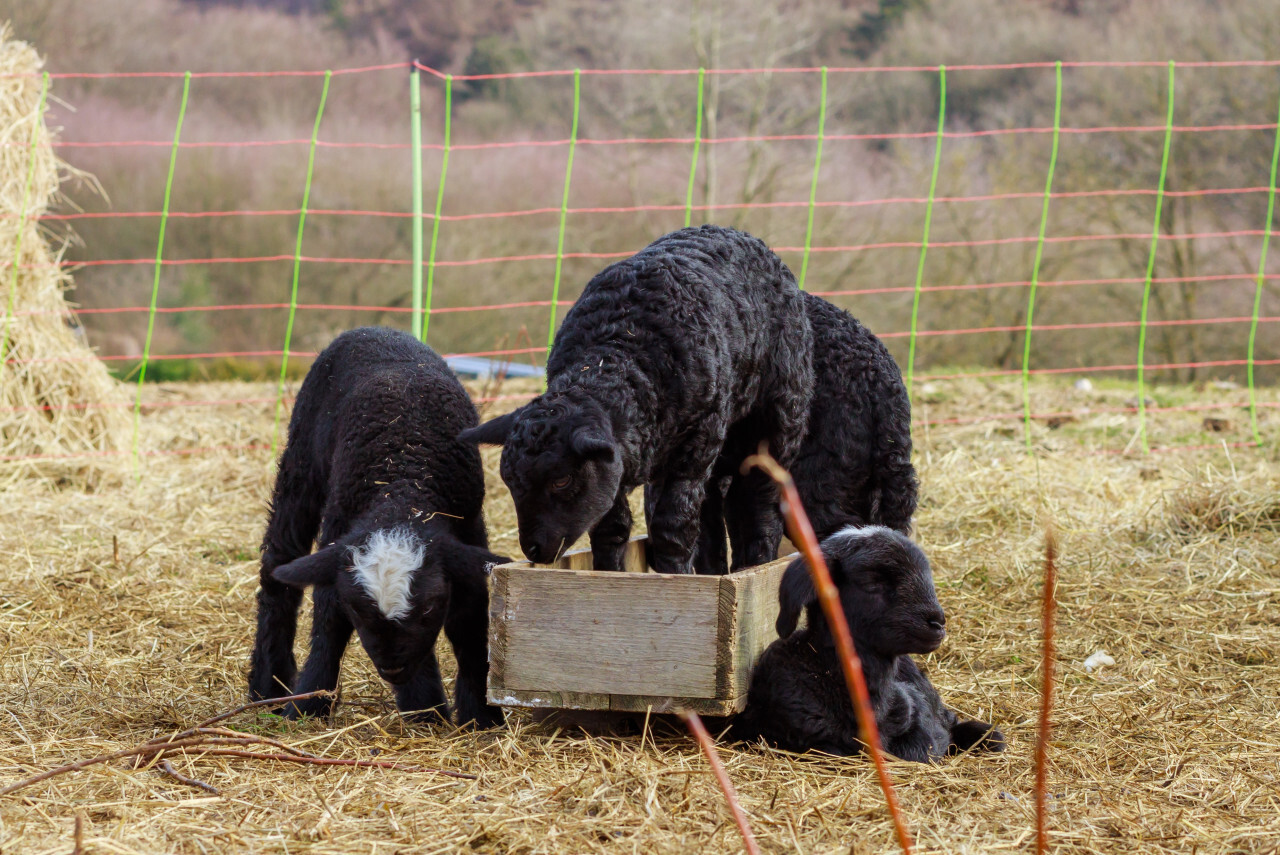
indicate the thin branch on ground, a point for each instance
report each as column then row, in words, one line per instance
column 167, row 768
column 699, row 732
column 801, row 533
column 208, row 741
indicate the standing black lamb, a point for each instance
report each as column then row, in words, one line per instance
column 798, row 699
column 695, row 349
column 854, row 467
column 373, row 465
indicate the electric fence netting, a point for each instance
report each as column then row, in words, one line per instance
column 1127, row 249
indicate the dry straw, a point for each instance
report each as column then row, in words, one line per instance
column 54, row 403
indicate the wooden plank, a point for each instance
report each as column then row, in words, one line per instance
column 660, row 704
column 755, row 604
column 549, row 700
column 633, row 559
column 497, row 628
column 626, row 634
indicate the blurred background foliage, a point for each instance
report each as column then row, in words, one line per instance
column 490, row 36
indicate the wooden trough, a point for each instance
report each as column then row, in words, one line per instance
column 569, row 637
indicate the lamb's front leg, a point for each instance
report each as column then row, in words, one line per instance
column 330, row 632
column 674, row 526
column 466, row 625
column 610, row 535
column 422, row 699
column 272, row 668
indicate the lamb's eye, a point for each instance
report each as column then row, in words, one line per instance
column 561, row 483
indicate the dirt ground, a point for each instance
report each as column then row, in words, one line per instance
column 126, row 611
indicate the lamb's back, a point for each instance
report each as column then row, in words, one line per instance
column 701, row 312
column 386, row 412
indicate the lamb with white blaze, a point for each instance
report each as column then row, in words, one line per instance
column 696, row 349
column 374, row 468
column 798, row 699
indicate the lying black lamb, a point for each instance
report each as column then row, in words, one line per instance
column 798, row 699
column 696, row 348
column 854, row 467
column 374, row 466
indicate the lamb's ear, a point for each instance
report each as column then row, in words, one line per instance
column 591, row 445
column 319, row 568
column 794, row 594
column 492, row 432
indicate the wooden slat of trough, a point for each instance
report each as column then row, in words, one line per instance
column 591, row 640
column 631, row 634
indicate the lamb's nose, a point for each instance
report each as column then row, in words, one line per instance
column 532, row 552
column 391, row 673
column 938, row 621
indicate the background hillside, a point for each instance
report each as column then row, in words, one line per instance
column 1205, row 277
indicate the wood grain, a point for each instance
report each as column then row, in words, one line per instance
column 582, row 639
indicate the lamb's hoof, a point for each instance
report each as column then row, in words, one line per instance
column 482, row 719
column 431, row 716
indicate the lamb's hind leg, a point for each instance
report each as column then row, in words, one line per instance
column 753, row 519
column 674, row 526
column 291, row 529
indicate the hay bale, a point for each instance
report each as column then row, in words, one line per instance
column 61, row 414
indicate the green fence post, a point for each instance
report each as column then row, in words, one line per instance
column 415, row 142
column 1262, row 275
column 1035, row 268
column 928, row 221
column 697, row 146
column 22, row 219
column 1151, row 266
column 435, row 223
column 155, row 282
column 564, row 207
column 813, row 185
column 297, row 261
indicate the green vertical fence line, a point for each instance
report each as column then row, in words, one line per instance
column 564, row 206
column 928, row 221
column 297, row 261
column 155, row 281
column 1151, row 266
column 435, row 223
column 1262, row 275
column 1035, row 267
column 415, row 143
column 813, row 185
column 22, row 219
column 697, row 147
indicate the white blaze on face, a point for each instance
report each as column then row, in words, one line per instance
column 385, row 568
column 857, row 532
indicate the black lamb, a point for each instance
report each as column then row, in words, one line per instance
column 374, row 467
column 696, row 349
column 854, row 467
column 798, row 699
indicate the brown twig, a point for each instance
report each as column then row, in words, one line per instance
column 699, row 732
column 167, row 768
column 801, row 533
column 333, row 761
column 1047, row 615
column 217, row 741
column 79, row 835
